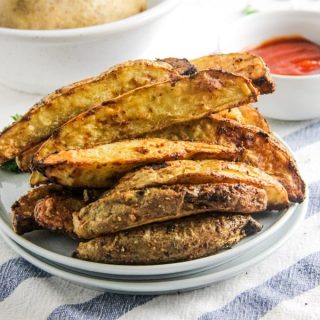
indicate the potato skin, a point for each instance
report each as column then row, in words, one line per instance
column 205, row 171
column 151, row 108
column 23, row 209
column 259, row 148
column 24, row 159
column 247, row 115
column 98, row 167
column 65, row 103
column 243, row 63
column 54, row 212
column 183, row 66
column 125, row 210
column 64, row 14
column 173, row 241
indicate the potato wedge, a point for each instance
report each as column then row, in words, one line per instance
column 173, row 241
column 97, row 167
column 24, row 159
column 129, row 209
column 205, row 171
column 247, row 115
column 54, row 213
column 37, row 179
column 243, row 63
column 54, row 110
column 260, row 149
column 151, row 108
column 23, row 209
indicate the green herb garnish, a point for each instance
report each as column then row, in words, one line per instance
column 248, row 10
column 11, row 166
column 16, row 117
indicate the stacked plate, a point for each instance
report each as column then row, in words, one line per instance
column 52, row 252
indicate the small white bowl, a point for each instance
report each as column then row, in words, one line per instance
column 40, row 61
column 296, row 97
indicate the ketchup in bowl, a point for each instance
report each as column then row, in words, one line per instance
column 294, row 56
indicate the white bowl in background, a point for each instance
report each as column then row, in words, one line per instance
column 296, row 97
column 40, row 61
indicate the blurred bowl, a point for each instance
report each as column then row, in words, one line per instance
column 296, row 97
column 40, row 61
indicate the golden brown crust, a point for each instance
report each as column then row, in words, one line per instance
column 50, row 207
column 259, row 148
column 150, row 108
column 37, row 179
column 173, row 241
column 55, row 213
column 247, row 115
column 243, row 63
column 24, row 159
column 129, row 209
column 182, row 66
column 99, row 166
column 65, row 103
column 205, row 171
column 23, row 209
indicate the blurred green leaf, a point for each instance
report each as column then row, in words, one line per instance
column 11, row 166
column 248, row 10
column 16, row 117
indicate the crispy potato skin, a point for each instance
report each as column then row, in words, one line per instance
column 129, row 209
column 55, row 109
column 259, row 148
column 98, row 167
column 23, row 209
column 246, row 64
column 182, row 66
column 247, row 115
column 173, row 241
column 205, row 171
column 24, row 159
column 55, row 213
column 50, row 207
column 151, row 108
column 37, row 179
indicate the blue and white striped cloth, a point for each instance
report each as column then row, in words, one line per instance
column 284, row 286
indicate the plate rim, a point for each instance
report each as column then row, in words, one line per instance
column 168, row 285
column 153, row 270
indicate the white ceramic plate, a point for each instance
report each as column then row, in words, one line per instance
column 183, row 283
column 58, row 248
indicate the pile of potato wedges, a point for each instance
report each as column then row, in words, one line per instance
column 153, row 162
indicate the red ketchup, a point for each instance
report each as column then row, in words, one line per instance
column 294, row 56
